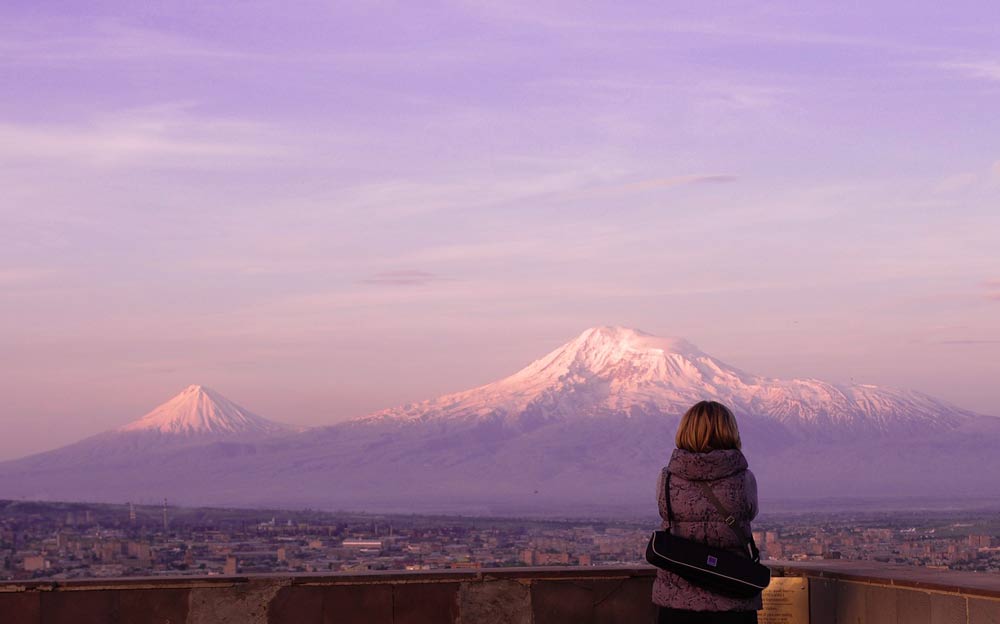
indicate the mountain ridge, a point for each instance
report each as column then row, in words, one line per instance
column 587, row 425
column 621, row 369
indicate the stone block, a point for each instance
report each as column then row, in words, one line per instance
column 984, row 611
column 913, row 607
column 20, row 608
column 880, row 604
column 850, row 603
column 499, row 601
column 425, row 603
column 242, row 603
column 557, row 602
column 822, row 601
column 153, row 606
column 296, row 603
column 624, row 600
column 357, row 604
column 79, row 607
column 947, row 609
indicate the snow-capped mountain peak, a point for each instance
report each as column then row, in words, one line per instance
column 627, row 355
column 199, row 411
column 609, row 370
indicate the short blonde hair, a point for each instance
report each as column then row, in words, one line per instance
column 708, row 426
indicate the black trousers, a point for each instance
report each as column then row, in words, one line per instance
column 680, row 616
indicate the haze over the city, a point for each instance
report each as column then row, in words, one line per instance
column 327, row 211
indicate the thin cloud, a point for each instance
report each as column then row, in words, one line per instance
column 967, row 179
column 956, row 182
column 533, row 15
column 56, row 42
column 685, row 180
column 405, row 278
column 993, row 289
column 969, row 342
column 657, row 184
column 988, row 70
column 164, row 134
column 23, row 276
column 32, row 42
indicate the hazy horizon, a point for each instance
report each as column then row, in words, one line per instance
column 134, row 419
column 322, row 212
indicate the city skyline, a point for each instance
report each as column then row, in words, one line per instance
column 329, row 212
column 77, row 540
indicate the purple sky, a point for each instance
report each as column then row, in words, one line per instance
column 325, row 211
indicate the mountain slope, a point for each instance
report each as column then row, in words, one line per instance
column 614, row 369
column 195, row 417
column 585, row 429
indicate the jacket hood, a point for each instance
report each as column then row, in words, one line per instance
column 706, row 466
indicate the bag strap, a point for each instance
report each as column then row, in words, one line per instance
column 670, row 512
column 730, row 521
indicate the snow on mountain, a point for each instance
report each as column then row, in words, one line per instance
column 201, row 411
column 620, row 370
column 586, row 427
column 196, row 418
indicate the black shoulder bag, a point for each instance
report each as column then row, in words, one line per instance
column 716, row 569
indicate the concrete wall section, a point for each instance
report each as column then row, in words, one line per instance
column 523, row 596
column 507, row 596
column 841, row 601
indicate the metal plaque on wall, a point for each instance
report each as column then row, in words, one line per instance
column 786, row 601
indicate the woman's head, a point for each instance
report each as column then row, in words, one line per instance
column 708, row 426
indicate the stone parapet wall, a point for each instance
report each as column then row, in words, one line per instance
column 522, row 595
column 856, row 592
column 839, row 594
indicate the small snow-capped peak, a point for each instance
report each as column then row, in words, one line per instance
column 198, row 410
